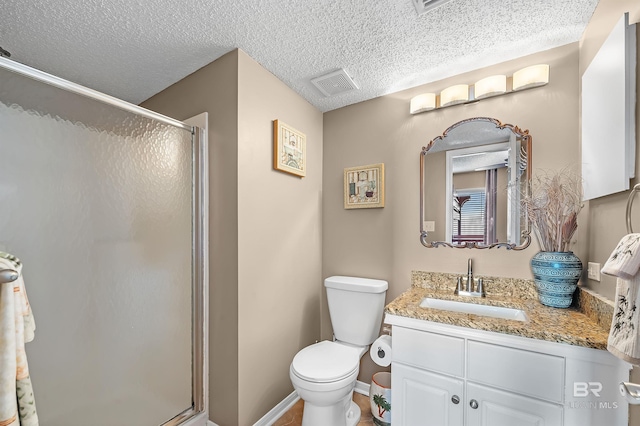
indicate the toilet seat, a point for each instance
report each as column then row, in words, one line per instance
column 326, row 362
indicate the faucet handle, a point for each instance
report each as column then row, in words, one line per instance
column 459, row 286
column 480, row 286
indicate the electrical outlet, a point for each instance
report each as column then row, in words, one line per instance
column 594, row 271
column 429, row 225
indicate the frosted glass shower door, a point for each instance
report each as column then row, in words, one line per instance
column 99, row 204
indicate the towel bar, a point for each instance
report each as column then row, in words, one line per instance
column 8, row 275
column 632, row 194
column 631, row 391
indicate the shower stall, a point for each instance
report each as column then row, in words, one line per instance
column 105, row 204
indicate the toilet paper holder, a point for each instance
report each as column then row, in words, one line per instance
column 385, row 330
column 380, row 350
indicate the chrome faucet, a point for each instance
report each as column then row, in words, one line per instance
column 469, row 289
column 469, row 276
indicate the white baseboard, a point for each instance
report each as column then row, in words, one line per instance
column 362, row 388
column 210, row 423
column 276, row 412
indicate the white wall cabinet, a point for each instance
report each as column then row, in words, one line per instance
column 453, row 376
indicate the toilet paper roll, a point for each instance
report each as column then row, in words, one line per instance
column 381, row 351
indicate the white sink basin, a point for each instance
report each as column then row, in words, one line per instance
column 475, row 309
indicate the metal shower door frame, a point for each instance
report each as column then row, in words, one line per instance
column 197, row 414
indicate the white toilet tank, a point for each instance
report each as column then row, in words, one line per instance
column 356, row 306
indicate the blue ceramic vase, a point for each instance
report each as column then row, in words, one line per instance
column 556, row 275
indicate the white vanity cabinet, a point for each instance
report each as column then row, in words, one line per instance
column 421, row 397
column 494, row 407
column 452, row 376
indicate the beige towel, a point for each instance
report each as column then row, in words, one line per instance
column 17, row 404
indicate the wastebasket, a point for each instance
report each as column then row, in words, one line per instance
column 380, row 397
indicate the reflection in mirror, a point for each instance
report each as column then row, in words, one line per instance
column 471, row 181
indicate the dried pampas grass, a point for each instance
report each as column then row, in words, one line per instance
column 553, row 206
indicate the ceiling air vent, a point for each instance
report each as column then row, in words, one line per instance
column 334, row 83
column 423, row 6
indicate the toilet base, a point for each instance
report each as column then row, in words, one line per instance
column 345, row 414
column 353, row 414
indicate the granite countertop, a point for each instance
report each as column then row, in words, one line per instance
column 586, row 323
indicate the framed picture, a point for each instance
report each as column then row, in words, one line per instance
column 364, row 187
column 289, row 149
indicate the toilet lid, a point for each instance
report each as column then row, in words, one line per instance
column 325, row 362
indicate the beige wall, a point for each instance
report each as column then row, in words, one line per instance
column 383, row 243
column 279, row 237
column 468, row 180
column 265, row 236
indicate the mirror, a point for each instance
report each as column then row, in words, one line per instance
column 471, row 181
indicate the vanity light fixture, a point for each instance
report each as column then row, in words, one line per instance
column 454, row 95
column 533, row 76
column 490, row 86
column 422, row 103
column 495, row 85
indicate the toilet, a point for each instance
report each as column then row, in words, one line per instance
column 324, row 374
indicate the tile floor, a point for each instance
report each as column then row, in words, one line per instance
column 293, row 417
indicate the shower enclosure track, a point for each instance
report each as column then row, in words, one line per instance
column 90, row 93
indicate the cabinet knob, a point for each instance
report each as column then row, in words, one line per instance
column 473, row 403
column 455, row 399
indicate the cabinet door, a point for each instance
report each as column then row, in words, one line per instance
column 498, row 408
column 423, row 398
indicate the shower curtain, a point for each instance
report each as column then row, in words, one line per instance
column 101, row 202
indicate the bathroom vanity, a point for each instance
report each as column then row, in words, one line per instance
column 453, row 368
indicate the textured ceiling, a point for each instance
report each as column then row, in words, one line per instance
column 134, row 49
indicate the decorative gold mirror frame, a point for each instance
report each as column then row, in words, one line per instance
column 525, row 238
